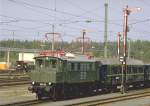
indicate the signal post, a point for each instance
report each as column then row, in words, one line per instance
column 123, row 58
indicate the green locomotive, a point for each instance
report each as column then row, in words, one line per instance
column 61, row 77
column 57, row 77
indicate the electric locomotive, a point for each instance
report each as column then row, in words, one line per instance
column 64, row 76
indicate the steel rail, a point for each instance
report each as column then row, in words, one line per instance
column 24, row 103
column 7, row 79
column 112, row 99
column 14, row 83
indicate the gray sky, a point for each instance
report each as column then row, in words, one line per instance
column 31, row 19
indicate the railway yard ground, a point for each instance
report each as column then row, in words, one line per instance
column 12, row 92
column 20, row 94
column 113, row 99
column 9, row 94
column 10, row 79
column 14, row 87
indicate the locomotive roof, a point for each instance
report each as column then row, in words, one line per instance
column 81, row 58
column 108, row 61
column 78, row 58
column 115, row 61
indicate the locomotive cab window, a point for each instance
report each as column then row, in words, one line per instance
column 39, row 63
column 48, row 62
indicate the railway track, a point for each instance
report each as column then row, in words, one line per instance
column 14, row 83
column 85, row 103
column 13, row 79
column 111, row 100
column 11, row 82
column 25, row 103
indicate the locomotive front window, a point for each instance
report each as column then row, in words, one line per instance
column 47, row 63
column 39, row 63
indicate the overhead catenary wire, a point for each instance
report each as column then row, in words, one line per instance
column 75, row 23
column 45, row 8
column 81, row 8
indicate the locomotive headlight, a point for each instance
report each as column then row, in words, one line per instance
column 49, row 83
column 33, row 83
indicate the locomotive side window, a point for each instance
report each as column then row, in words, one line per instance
column 75, row 66
column 82, row 66
column 87, row 67
column 47, row 63
column 53, row 63
column 69, row 66
column 72, row 66
column 78, row 66
column 91, row 66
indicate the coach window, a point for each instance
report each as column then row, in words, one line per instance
column 135, row 69
column 132, row 69
column 128, row 69
column 140, row 69
column 114, row 70
column 119, row 70
column 110, row 69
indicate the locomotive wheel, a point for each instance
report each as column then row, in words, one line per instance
column 54, row 94
column 39, row 96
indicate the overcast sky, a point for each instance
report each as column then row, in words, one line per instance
column 31, row 19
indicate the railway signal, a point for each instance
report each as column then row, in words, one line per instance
column 127, row 12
